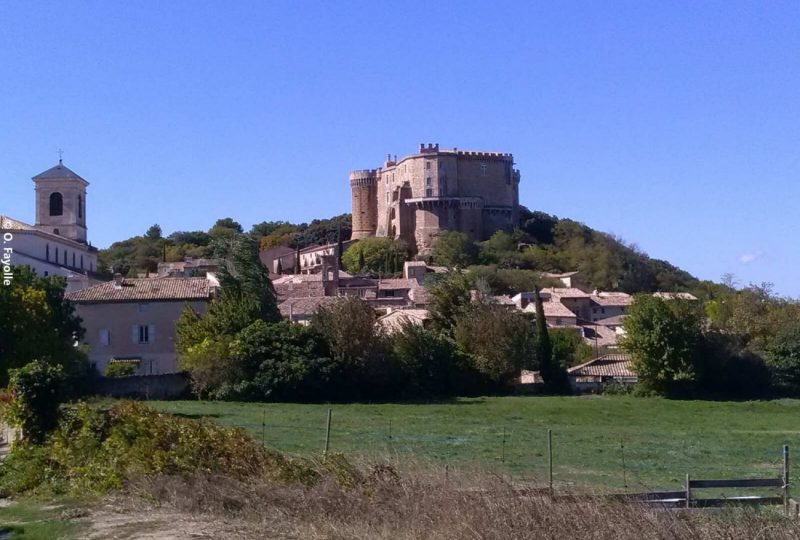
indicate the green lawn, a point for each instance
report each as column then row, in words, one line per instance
column 663, row 440
column 30, row 520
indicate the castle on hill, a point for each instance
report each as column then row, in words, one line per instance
column 416, row 197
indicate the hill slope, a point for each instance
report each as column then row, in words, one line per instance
column 542, row 243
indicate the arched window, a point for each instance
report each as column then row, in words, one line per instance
column 56, row 204
column 73, row 259
column 80, row 206
column 55, row 231
column 81, row 262
column 56, row 254
column 65, row 257
column 47, row 252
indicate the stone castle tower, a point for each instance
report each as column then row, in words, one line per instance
column 364, row 186
column 436, row 189
column 61, row 203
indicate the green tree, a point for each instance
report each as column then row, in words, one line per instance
column 153, row 233
column 499, row 342
column 552, row 370
column 36, row 321
column 431, row 364
column 281, row 361
column 246, row 275
column 360, row 350
column 568, row 346
column 376, row 254
column 783, row 358
column 449, row 298
column 454, row 249
column 38, row 389
column 663, row 339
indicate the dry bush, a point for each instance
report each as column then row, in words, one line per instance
column 379, row 503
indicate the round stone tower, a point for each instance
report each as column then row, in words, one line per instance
column 364, row 186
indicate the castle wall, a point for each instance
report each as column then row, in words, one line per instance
column 473, row 192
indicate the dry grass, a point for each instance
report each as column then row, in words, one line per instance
column 376, row 502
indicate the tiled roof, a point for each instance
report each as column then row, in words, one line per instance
column 612, row 299
column 149, row 289
column 303, row 289
column 59, row 171
column 7, row 223
column 565, row 292
column 419, row 295
column 297, row 278
column 392, row 322
column 611, row 321
column 609, row 365
column 597, row 334
column 504, row 300
column 304, row 307
column 551, row 308
column 397, row 283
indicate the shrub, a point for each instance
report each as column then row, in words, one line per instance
column 120, row 369
column 37, row 389
column 93, row 451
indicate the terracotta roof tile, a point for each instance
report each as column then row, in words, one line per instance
column 147, row 289
column 612, row 299
column 609, row 365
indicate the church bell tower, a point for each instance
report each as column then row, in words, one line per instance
column 61, row 202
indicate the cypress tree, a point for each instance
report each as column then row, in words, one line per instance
column 297, row 261
column 361, row 262
column 553, row 373
column 339, row 246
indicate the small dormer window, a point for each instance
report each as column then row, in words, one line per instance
column 56, row 204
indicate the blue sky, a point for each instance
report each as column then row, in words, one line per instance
column 675, row 125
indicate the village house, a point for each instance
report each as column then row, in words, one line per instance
column 598, row 372
column 133, row 320
column 189, row 267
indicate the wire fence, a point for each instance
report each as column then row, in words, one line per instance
column 564, row 455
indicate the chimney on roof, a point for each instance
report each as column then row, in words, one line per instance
column 118, row 280
column 421, row 147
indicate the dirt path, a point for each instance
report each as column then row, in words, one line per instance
column 113, row 522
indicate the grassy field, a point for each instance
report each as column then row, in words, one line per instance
column 641, row 443
column 29, row 520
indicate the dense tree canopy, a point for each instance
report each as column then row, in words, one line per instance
column 377, row 255
column 663, row 338
column 36, row 322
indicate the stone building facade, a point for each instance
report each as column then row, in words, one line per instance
column 436, row 189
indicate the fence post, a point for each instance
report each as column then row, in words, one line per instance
column 264, row 427
column 503, row 450
column 327, row 435
column 785, row 479
column 688, row 492
column 550, row 460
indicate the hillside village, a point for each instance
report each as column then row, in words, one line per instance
column 131, row 320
